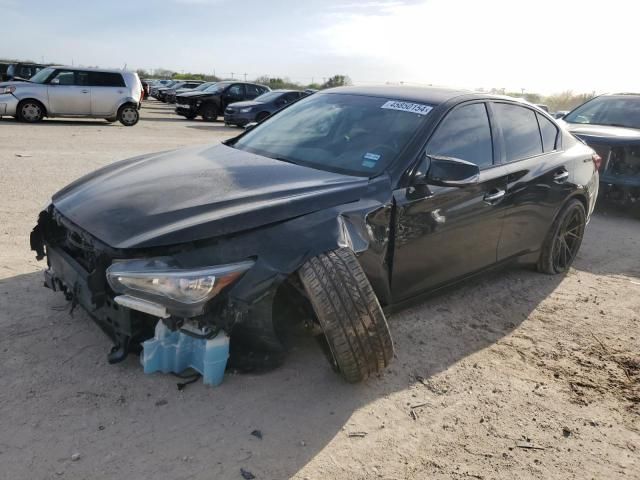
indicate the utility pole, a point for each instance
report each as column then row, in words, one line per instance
column 245, row 77
column 231, row 75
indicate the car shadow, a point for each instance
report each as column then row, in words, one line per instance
column 63, row 121
column 56, row 371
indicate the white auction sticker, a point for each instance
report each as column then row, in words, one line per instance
column 407, row 107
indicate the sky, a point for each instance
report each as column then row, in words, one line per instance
column 542, row 46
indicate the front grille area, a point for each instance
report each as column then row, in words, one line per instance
column 624, row 161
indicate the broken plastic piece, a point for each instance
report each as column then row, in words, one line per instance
column 175, row 351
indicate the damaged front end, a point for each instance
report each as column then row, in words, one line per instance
column 620, row 173
column 128, row 292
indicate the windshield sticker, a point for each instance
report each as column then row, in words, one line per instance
column 407, row 107
column 370, row 159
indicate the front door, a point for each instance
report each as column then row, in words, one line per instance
column 234, row 93
column 445, row 233
column 69, row 93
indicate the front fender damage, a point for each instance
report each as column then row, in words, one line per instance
column 258, row 310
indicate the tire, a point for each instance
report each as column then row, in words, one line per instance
column 564, row 239
column 191, row 116
column 356, row 331
column 30, row 111
column 209, row 113
column 128, row 115
column 261, row 116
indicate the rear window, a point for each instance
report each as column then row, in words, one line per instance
column 106, row 79
column 520, row 131
column 549, row 133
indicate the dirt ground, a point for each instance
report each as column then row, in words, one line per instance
column 515, row 375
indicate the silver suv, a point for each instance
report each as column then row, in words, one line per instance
column 74, row 92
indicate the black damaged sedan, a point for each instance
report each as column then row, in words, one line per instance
column 347, row 202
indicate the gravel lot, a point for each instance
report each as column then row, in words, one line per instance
column 514, row 375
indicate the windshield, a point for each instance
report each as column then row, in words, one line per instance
column 42, row 75
column 351, row 134
column 216, row 87
column 203, row 86
column 269, row 96
column 615, row 110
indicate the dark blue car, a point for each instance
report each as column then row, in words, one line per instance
column 241, row 113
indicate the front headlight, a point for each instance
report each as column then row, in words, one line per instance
column 156, row 278
column 246, row 110
column 9, row 89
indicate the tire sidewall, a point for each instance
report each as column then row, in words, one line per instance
column 121, row 112
column 546, row 264
column 24, row 103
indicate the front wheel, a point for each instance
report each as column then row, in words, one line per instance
column 209, row 113
column 30, row 111
column 128, row 115
column 347, row 309
column 564, row 239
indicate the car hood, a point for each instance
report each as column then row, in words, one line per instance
column 196, row 94
column 604, row 134
column 16, row 83
column 197, row 193
column 248, row 103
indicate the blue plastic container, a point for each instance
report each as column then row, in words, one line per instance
column 175, row 352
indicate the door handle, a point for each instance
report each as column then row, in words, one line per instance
column 561, row 176
column 494, row 196
column 85, row 91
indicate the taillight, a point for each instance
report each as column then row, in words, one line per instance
column 597, row 160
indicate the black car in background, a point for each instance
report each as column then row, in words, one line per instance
column 241, row 113
column 349, row 200
column 170, row 93
column 163, row 92
column 22, row 70
column 212, row 102
column 610, row 124
column 173, row 94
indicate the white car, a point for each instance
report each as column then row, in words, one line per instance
column 74, row 92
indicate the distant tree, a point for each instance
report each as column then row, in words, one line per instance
column 277, row 83
column 163, row 73
column 566, row 100
column 337, row 81
column 142, row 73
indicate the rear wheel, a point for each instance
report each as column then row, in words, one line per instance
column 209, row 113
column 128, row 115
column 564, row 239
column 30, row 111
column 357, row 336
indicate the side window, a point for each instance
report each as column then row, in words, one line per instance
column 236, row 91
column 465, row 134
column 254, row 91
column 291, row 97
column 106, row 79
column 82, row 78
column 520, row 131
column 63, row 77
column 549, row 133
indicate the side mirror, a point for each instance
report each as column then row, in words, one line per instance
column 55, row 81
column 451, row 172
column 250, row 125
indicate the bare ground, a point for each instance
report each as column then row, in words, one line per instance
column 513, row 375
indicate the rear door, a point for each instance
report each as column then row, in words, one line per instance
column 446, row 233
column 108, row 89
column 538, row 180
column 69, row 93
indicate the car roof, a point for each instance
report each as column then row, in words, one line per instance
column 93, row 69
column 430, row 95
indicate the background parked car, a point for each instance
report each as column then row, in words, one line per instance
column 74, row 92
column 145, row 88
column 241, row 113
column 610, row 124
column 170, row 93
column 560, row 114
column 163, row 91
column 160, row 84
column 22, row 70
column 211, row 103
